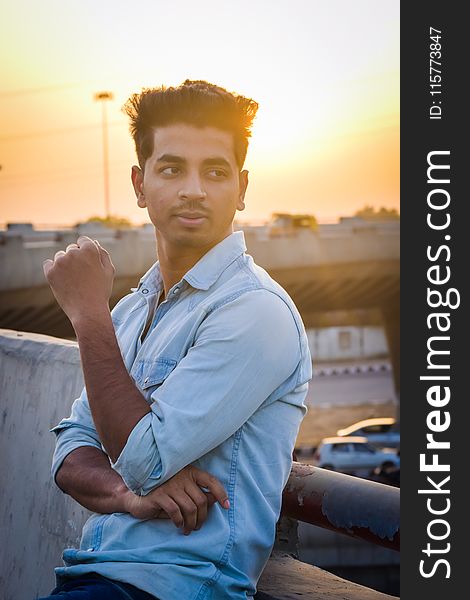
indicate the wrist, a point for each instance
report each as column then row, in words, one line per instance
column 92, row 321
column 123, row 498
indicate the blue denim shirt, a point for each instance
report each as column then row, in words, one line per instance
column 224, row 368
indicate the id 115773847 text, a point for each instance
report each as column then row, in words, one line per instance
column 435, row 73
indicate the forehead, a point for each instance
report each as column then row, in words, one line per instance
column 193, row 143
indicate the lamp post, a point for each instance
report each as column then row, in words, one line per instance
column 103, row 97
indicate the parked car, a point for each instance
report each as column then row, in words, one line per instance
column 353, row 455
column 382, row 432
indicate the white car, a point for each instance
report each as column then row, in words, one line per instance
column 381, row 432
column 352, row 455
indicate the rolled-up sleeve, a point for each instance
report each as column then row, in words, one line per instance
column 75, row 431
column 244, row 350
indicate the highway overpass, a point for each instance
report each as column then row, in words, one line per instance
column 346, row 273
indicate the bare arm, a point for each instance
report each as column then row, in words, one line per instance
column 87, row 476
column 81, row 280
column 116, row 403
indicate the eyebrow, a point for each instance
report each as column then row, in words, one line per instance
column 174, row 158
column 170, row 158
column 217, row 161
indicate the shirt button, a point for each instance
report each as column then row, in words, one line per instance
column 146, row 380
column 145, row 291
column 176, row 290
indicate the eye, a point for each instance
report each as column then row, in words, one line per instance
column 170, row 171
column 217, row 173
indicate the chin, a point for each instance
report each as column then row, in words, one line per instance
column 188, row 238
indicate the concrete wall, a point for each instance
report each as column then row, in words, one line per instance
column 343, row 343
column 38, row 382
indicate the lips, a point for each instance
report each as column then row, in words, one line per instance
column 191, row 219
column 191, row 215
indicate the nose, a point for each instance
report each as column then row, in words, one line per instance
column 192, row 188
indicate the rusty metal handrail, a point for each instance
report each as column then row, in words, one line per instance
column 349, row 505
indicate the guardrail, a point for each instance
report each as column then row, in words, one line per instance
column 350, row 505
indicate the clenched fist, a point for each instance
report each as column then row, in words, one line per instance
column 81, row 279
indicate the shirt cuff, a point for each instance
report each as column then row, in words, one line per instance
column 140, row 458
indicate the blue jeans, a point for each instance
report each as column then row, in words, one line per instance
column 96, row 587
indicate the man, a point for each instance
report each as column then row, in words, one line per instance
column 195, row 384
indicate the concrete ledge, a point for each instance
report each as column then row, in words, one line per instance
column 39, row 378
column 33, row 346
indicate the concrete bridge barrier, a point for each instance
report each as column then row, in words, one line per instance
column 39, row 378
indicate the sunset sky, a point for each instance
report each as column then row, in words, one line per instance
column 325, row 73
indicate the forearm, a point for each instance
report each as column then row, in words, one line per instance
column 88, row 478
column 116, row 404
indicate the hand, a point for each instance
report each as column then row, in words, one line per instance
column 180, row 499
column 81, row 278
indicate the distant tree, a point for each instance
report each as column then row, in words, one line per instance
column 369, row 213
column 113, row 222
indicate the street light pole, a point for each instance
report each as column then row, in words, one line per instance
column 103, row 97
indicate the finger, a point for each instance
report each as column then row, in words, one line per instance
column 71, row 247
column 83, row 240
column 47, row 266
column 204, row 479
column 200, row 500
column 59, row 253
column 211, row 499
column 172, row 510
column 188, row 510
column 87, row 244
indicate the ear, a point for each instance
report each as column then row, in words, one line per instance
column 242, row 184
column 137, row 178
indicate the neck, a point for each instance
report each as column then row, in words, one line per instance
column 176, row 262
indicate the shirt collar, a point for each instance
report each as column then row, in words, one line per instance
column 208, row 269
column 151, row 280
column 211, row 266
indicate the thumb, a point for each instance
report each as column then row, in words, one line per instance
column 104, row 256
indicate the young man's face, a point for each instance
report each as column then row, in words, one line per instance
column 191, row 186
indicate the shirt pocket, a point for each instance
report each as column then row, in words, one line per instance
column 151, row 373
